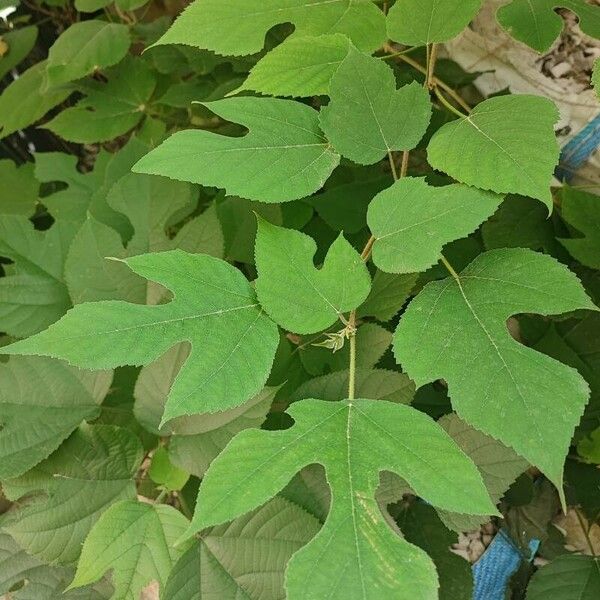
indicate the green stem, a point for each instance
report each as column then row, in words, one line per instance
column 161, row 496
column 352, row 369
column 404, row 168
column 449, row 267
column 429, row 76
column 393, row 165
column 399, row 53
column 447, row 104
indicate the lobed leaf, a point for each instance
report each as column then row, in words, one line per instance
column 151, row 205
column 297, row 295
column 283, row 157
column 238, row 27
column 214, row 309
column 455, row 330
column 195, row 440
column 367, row 116
column 354, row 440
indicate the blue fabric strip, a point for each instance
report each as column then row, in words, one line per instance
column 576, row 152
column 492, row 572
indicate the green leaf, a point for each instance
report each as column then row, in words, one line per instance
column 260, row 543
column 73, row 199
column 565, row 578
column 23, row 102
column 109, row 109
column 388, row 294
column 499, row 466
column 596, row 77
column 412, row 221
column 538, row 25
column 137, row 542
column 589, row 447
column 297, row 295
column 422, row 527
column 19, row 191
column 164, row 473
column 283, row 157
column 333, row 206
column 421, row 22
column 581, row 210
column 534, row 519
column 309, row 490
column 152, row 204
column 72, row 494
column 300, row 66
column 573, row 344
column 114, row 168
column 520, row 222
column 84, row 48
column 239, row 26
column 202, row 234
column 33, row 293
column 583, row 483
column 20, row 43
column 221, row 372
column 377, row 384
column 354, row 440
column 456, row 330
column 41, row 402
column 238, row 220
column 367, row 116
column 195, row 440
column 26, row 578
column 483, row 149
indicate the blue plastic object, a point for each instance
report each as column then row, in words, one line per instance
column 492, row 572
column 576, row 152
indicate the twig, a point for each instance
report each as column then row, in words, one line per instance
column 437, row 81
